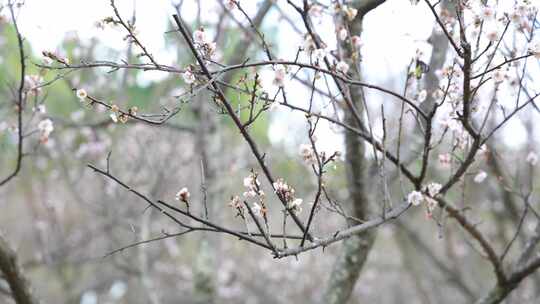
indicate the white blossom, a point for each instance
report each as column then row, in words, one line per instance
column 188, row 76
column 183, row 195
column 342, row 34
column 433, row 189
column 343, row 67
column 480, row 177
column 258, row 210
column 294, row 205
column 45, row 128
column 114, row 117
column 422, row 95
column 309, row 44
column 307, row 153
column 532, row 158
column 81, row 94
column 415, row 198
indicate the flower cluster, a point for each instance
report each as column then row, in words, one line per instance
column 236, row 204
column 32, row 83
column 251, row 182
column 286, row 192
column 429, row 192
column 188, row 76
column 206, row 46
column 308, row 154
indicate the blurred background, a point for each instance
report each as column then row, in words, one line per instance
column 63, row 219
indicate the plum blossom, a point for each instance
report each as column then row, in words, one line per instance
column 316, row 11
column 422, row 95
column 252, row 184
column 308, row 154
column 433, row 189
column 81, row 94
column 342, row 34
column 294, row 205
column 415, row 198
column 188, row 76
column 280, row 75
column 309, row 44
column 199, row 36
column 532, row 158
column 32, row 82
column 183, row 195
column 206, row 46
column 45, row 128
column 342, row 67
column 231, row 4
column 480, row 177
column 493, row 31
column 487, row 13
column 258, row 210
column 356, row 41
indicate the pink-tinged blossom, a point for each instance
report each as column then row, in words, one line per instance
column 183, row 195
column 199, row 36
column 280, row 75
column 356, row 41
column 188, row 76
column 231, row 4
column 316, row 11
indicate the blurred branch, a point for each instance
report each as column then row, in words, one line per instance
column 20, row 99
column 13, row 274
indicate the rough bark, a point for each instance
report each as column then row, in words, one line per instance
column 355, row 250
column 13, row 274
